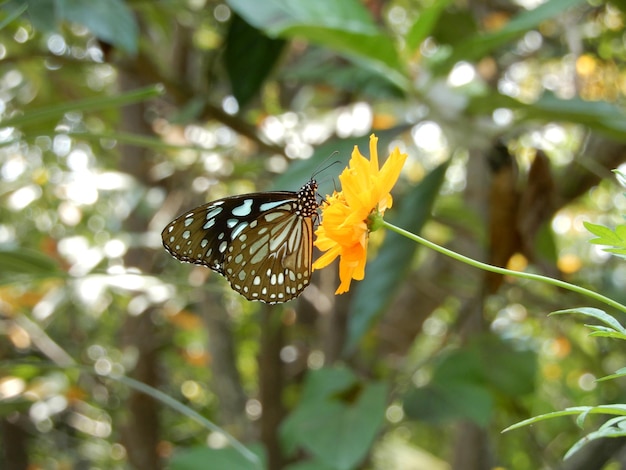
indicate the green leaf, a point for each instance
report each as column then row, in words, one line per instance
column 467, row 382
column 618, row 374
column 109, row 20
column 322, row 67
column 545, row 244
column 201, row 458
column 458, row 389
column 336, row 428
column 602, row 433
column 52, row 113
column 325, row 383
column 345, row 27
column 507, row 369
column 42, row 14
column 617, row 409
column 425, row 23
column 476, row 47
column 309, row 465
column 603, row 332
column 22, row 262
column 249, row 57
column 597, row 314
column 383, row 274
column 15, row 10
column 606, row 236
column 598, row 115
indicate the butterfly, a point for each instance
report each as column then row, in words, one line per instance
column 262, row 243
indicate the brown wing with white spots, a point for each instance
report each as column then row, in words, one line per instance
column 271, row 259
column 261, row 242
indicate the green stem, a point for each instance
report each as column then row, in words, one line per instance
column 506, row 272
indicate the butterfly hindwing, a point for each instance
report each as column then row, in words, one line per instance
column 261, row 242
column 274, row 261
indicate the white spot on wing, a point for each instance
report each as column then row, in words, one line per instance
column 244, row 209
column 237, row 230
column 268, row 206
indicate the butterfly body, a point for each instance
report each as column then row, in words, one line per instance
column 262, row 243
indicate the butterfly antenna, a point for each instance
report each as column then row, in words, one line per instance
column 318, row 170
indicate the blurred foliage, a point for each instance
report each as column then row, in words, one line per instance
column 118, row 115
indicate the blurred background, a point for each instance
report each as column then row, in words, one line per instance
column 118, row 115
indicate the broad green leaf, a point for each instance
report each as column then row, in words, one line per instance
column 545, row 244
column 276, row 16
column 325, row 383
column 467, row 382
column 458, row 390
column 42, row 14
column 597, row 314
column 507, row 369
column 202, row 458
column 109, row 20
column 345, row 27
column 320, row 386
column 460, row 400
column 336, row 429
column 384, row 274
column 453, row 28
column 249, row 57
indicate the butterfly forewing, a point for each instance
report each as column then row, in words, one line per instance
column 261, row 242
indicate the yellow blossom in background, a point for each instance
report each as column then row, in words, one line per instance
column 346, row 215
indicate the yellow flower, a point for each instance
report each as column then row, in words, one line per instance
column 346, row 215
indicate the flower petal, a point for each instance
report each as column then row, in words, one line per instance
column 344, row 229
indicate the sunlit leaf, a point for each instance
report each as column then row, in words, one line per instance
column 345, row 27
column 616, row 409
column 111, row 21
column 597, row 314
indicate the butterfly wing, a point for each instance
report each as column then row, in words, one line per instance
column 271, row 259
column 261, row 242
